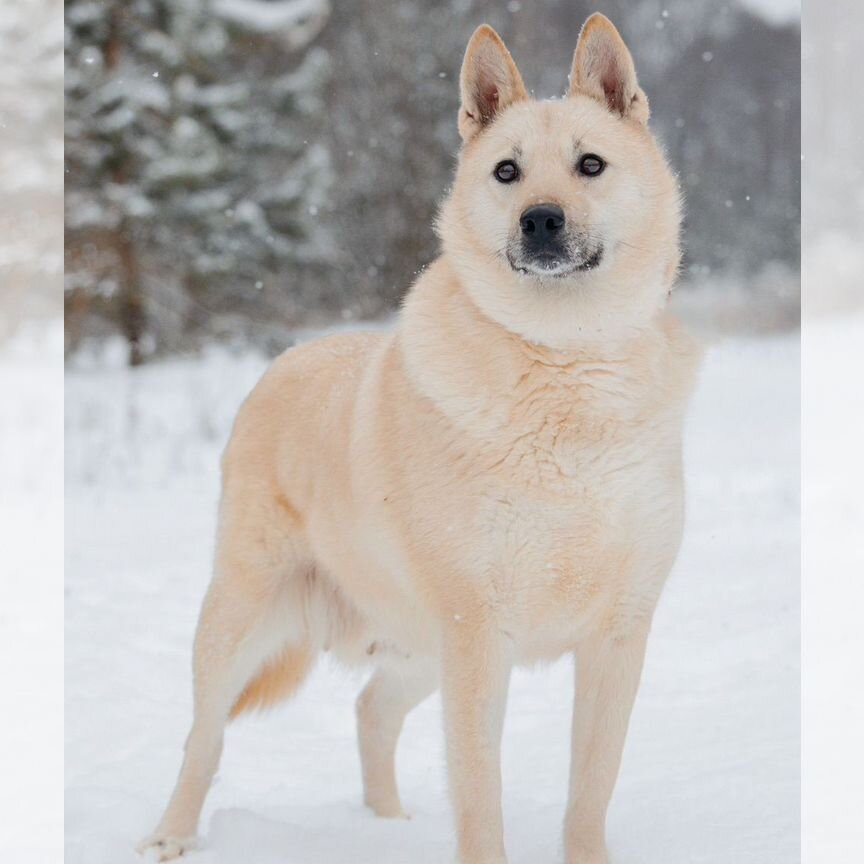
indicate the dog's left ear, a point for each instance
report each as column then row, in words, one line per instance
column 603, row 69
column 489, row 82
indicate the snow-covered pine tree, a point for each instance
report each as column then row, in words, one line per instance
column 31, row 160
column 189, row 178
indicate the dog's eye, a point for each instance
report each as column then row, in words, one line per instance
column 506, row 171
column 591, row 165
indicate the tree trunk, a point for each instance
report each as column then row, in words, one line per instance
column 131, row 301
column 132, row 312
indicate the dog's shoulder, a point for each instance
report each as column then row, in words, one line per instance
column 319, row 364
column 305, row 391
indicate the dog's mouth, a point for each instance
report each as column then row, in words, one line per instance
column 556, row 264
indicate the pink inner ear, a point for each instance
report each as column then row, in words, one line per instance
column 489, row 101
column 487, row 95
column 613, row 86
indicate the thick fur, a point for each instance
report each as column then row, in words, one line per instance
column 496, row 481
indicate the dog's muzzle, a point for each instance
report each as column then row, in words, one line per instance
column 545, row 247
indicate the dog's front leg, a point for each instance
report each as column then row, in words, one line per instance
column 608, row 669
column 476, row 673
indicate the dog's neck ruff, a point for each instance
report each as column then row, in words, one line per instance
column 594, row 310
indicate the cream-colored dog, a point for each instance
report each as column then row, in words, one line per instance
column 497, row 481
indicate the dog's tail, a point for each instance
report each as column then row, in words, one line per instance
column 277, row 679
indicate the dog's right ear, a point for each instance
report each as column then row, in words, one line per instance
column 489, row 82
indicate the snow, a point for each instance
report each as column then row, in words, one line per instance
column 833, row 562
column 775, row 11
column 710, row 774
column 260, row 16
column 31, row 595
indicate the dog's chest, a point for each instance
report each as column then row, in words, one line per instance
column 579, row 513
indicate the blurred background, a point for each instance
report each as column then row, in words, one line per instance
column 31, row 161
column 239, row 169
column 31, row 429
column 832, row 429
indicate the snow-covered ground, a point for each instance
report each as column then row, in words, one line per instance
column 710, row 774
column 833, row 591
column 31, row 594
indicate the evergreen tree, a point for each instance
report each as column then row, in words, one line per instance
column 189, row 179
column 31, row 160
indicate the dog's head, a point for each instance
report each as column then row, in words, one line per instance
column 563, row 219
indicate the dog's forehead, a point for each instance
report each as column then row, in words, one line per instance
column 564, row 126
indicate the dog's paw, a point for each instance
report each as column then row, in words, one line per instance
column 158, row 847
column 386, row 809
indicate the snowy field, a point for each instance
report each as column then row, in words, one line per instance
column 31, row 593
column 710, row 774
column 833, row 591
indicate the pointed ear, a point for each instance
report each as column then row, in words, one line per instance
column 489, row 82
column 604, row 70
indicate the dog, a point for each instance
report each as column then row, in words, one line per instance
column 497, row 481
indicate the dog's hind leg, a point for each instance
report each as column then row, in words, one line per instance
column 392, row 691
column 250, row 649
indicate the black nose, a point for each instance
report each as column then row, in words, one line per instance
column 542, row 222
